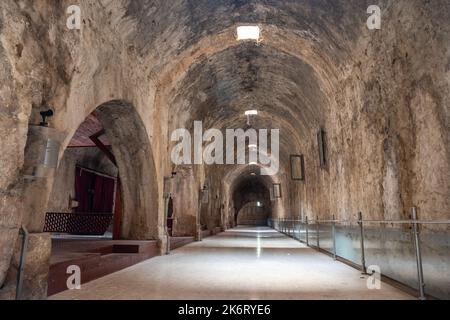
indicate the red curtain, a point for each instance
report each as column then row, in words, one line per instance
column 103, row 194
column 83, row 183
column 94, row 193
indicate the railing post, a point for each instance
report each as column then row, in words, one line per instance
column 289, row 227
column 363, row 255
column 293, row 228
column 307, row 231
column 23, row 257
column 418, row 254
column 318, row 233
column 166, row 227
column 334, row 237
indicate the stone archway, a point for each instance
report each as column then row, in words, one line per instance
column 128, row 150
column 252, row 202
column 133, row 153
column 134, row 156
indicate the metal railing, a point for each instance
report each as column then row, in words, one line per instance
column 78, row 223
column 288, row 227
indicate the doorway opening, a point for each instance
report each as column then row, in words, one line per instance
column 84, row 196
column 103, row 209
column 252, row 203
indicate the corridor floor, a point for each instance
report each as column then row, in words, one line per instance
column 242, row 263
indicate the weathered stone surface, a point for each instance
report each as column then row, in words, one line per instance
column 36, row 267
column 10, row 216
column 6, row 236
column 382, row 97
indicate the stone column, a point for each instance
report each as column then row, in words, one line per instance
column 11, row 209
column 185, row 203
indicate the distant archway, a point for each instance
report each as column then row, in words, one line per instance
column 252, row 203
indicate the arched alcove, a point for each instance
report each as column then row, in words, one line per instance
column 118, row 146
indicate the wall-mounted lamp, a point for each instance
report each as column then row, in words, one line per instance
column 249, row 114
column 276, row 191
column 46, row 114
column 205, row 195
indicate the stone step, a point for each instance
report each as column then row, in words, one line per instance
column 103, row 260
column 177, row 242
column 98, row 262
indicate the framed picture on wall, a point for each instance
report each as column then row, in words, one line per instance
column 297, row 167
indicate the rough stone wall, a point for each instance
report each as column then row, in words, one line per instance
column 74, row 72
column 19, row 91
column 387, row 127
column 397, row 89
column 382, row 97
